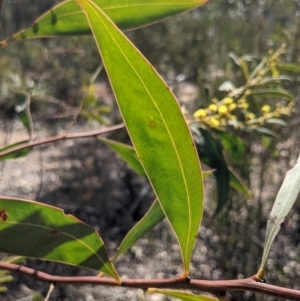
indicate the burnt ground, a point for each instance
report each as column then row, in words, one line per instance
column 88, row 180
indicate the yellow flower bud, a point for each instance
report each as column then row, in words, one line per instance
column 243, row 105
column 228, row 101
column 214, row 122
column 232, row 106
column 200, row 113
column 222, row 110
column 266, row 109
column 250, row 116
column 213, row 108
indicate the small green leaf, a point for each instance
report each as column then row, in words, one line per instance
column 277, row 93
column 290, row 67
column 22, row 108
column 276, row 121
column 31, row 229
column 127, row 153
column 66, row 18
column 157, row 129
column 182, row 295
column 284, row 201
column 17, row 154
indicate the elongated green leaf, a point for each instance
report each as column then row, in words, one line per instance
column 278, row 93
column 238, row 185
column 17, row 154
column 152, row 217
column 284, row 201
column 66, row 18
column 31, row 229
column 290, row 67
column 157, row 129
column 210, row 151
column 127, row 153
column 182, row 295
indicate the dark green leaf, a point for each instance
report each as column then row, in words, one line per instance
column 234, row 146
column 210, row 152
column 31, row 229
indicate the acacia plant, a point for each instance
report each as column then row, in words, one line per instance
column 163, row 150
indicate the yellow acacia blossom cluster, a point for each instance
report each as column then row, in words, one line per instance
column 229, row 112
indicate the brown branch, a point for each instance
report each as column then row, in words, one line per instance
column 61, row 137
column 212, row 286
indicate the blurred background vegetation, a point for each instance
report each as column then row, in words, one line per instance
column 192, row 52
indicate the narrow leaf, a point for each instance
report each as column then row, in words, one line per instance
column 277, row 93
column 157, row 129
column 278, row 121
column 284, row 201
column 127, row 153
column 182, row 295
column 153, row 216
column 31, row 229
column 66, row 18
column 267, row 80
column 266, row 132
column 290, row 67
column 238, row 185
column 17, row 154
column 210, row 151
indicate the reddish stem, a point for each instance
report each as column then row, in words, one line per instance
column 62, row 137
column 212, row 286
